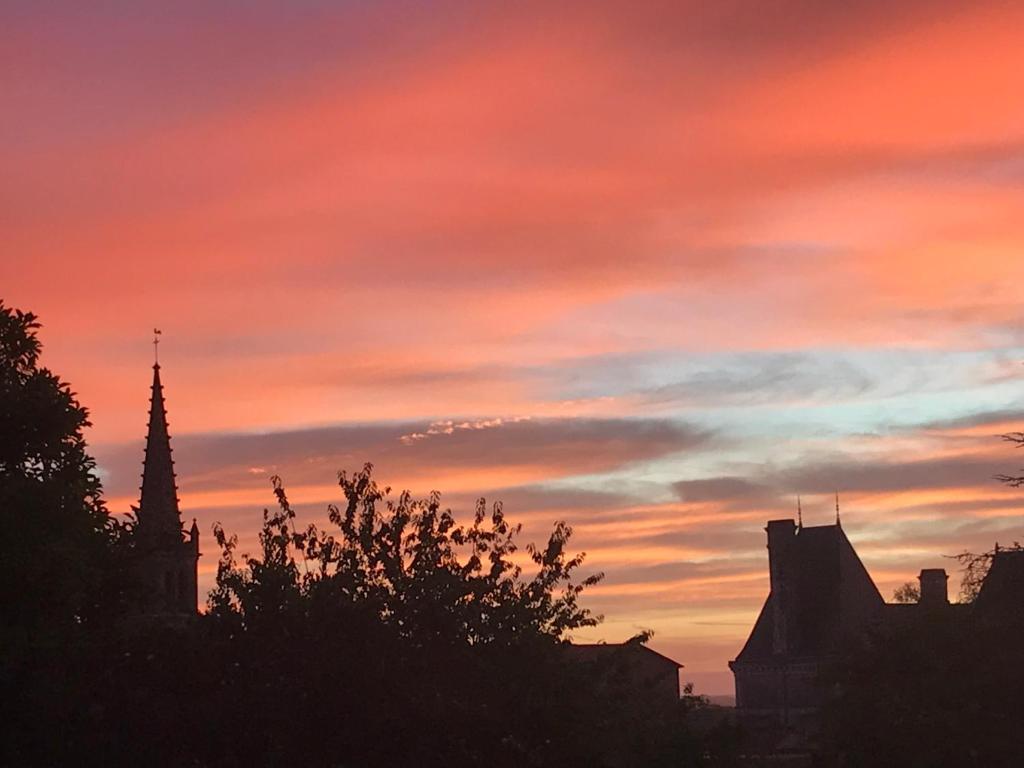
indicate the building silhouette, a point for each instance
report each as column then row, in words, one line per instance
column 632, row 669
column 167, row 557
column 821, row 594
column 821, row 602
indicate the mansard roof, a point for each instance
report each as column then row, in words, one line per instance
column 830, row 593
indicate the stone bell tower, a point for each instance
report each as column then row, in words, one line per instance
column 168, row 556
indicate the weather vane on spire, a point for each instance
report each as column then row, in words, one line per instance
column 156, row 346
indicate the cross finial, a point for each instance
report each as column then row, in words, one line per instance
column 156, row 346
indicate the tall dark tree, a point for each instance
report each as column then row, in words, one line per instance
column 61, row 573
column 57, row 534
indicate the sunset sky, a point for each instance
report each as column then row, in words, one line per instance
column 650, row 268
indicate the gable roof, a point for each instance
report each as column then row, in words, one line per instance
column 595, row 651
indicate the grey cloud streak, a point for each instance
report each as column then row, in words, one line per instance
column 562, row 446
column 845, row 474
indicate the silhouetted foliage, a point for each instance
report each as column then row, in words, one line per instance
column 57, row 533
column 409, row 564
column 61, row 556
column 908, row 592
column 447, row 653
column 1017, row 481
column 975, row 567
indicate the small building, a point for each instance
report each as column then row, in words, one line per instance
column 634, row 669
column 639, row 685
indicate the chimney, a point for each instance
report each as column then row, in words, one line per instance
column 781, row 542
column 933, row 587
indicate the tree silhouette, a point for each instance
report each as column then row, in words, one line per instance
column 56, row 550
column 61, row 556
column 908, row 592
column 975, row 565
column 460, row 659
column 1017, row 438
column 399, row 635
column 407, row 562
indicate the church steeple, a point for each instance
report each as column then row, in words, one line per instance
column 168, row 556
column 159, row 516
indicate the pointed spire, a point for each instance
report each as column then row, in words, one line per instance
column 799, row 514
column 159, row 518
column 837, row 509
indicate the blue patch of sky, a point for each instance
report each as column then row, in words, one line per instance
column 875, row 386
column 776, row 408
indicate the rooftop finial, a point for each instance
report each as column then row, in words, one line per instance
column 837, row 507
column 799, row 513
column 156, row 346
